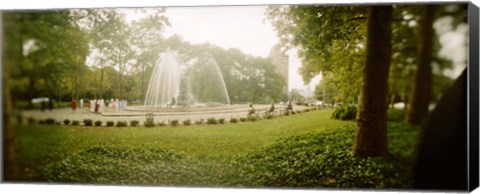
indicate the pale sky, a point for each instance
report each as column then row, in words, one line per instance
column 242, row 27
column 245, row 28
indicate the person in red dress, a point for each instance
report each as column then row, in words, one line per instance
column 74, row 105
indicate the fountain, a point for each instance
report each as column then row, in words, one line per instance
column 164, row 82
column 174, row 86
column 184, row 89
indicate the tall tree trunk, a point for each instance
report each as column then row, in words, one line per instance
column 142, row 88
column 100, row 90
column 422, row 87
column 119, row 83
column 31, row 90
column 12, row 52
column 371, row 131
column 74, row 85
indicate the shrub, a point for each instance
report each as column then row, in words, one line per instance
column 134, row 123
column 121, row 123
column 174, row 122
column 286, row 113
column 233, row 120
column 66, row 121
column 345, row 113
column 243, row 119
column 211, row 121
column 268, row 115
column 187, row 122
column 75, row 122
column 50, row 121
column 149, row 123
column 88, row 122
column 149, row 120
column 251, row 118
column 221, row 120
column 110, row 123
column 98, row 123
column 31, row 120
column 41, row 121
column 200, row 121
column 162, row 124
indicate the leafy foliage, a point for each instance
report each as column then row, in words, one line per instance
column 146, row 166
column 134, row 123
column 49, row 121
column 187, row 122
column 174, row 122
column 75, row 122
column 221, row 120
column 316, row 160
column 121, row 123
column 328, row 39
column 251, row 118
column 98, row 123
column 325, row 160
column 88, row 122
column 345, row 113
column 149, row 122
column 211, row 121
column 110, row 123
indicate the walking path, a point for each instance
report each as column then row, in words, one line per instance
column 109, row 114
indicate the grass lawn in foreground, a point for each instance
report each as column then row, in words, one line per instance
column 240, row 154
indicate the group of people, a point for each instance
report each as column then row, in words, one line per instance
column 96, row 105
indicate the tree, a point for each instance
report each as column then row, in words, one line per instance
column 421, row 94
column 12, row 49
column 327, row 37
column 427, row 56
column 103, row 27
column 147, row 42
column 296, row 97
column 247, row 78
column 326, row 91
column 371, row 132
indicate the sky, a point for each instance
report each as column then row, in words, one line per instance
column 242, row 27
column 245, row 28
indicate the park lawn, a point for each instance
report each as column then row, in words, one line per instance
column 197, row 155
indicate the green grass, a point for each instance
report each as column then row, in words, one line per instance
column 203, row 155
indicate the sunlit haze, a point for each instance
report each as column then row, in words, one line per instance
column 241, row 27
column 245, row 28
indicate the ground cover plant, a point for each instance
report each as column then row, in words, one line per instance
column 303, row 150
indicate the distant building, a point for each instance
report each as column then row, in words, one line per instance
column 280, row 60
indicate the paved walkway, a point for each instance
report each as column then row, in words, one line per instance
column 80, row 114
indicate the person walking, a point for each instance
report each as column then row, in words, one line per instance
column 74, row 105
